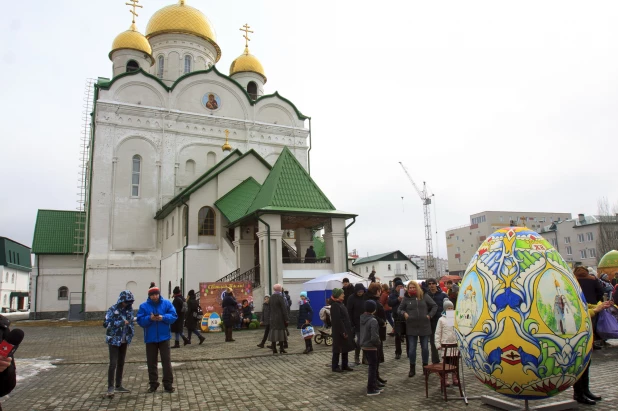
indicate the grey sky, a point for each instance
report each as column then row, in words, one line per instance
column 498, row 106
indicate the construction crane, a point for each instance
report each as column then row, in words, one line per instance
column 430, row 263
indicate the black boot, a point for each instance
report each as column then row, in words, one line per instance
column 582, row 399
column 381, row 380
column 186, row 340
column 281, row 348
column 307, row 344
column 412, row 372
column 261, row 345
column 176, row 345
column 593, row 397
column 201, row 339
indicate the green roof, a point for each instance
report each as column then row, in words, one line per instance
column 14, row 255
column 213, row 172
column 235, row 203
column 289, row 187
column 390, row 256
column 54, row 232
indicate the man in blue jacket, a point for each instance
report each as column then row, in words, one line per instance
column 155, row 316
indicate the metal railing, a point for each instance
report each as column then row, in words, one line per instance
column 307, row 260
column 292, row 252
column 230, row 276
column 252, row 275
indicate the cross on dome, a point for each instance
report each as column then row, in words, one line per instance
column 134, row 5
column 246, row 28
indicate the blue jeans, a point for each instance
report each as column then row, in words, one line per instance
column 178, row 335
column 412, row 341
column 389, row 318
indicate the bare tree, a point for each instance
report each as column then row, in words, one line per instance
column 607, row 239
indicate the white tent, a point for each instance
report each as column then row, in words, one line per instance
column 330, row 281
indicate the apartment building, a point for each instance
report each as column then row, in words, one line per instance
column 576, row 239
column 463, row 241
column 440, row 263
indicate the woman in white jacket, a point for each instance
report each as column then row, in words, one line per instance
column 445, row 334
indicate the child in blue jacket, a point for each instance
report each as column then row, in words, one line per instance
column 118, row 336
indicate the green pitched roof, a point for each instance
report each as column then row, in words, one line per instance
column 289, row 187
column 213, row 172
column 54, row 232
column 385, row 257
column 235, row 203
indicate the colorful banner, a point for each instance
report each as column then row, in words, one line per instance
column 211, row 295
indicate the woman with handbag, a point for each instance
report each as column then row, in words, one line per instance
column 230, row 313
column 417, row 308
column 193, row 317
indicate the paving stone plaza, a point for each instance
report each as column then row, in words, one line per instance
column 64, row 367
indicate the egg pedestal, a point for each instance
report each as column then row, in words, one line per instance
column 521, row 322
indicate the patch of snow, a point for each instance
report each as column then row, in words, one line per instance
column 29, row 367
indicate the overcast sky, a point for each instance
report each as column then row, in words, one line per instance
column 497, row 105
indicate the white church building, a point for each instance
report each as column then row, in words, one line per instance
column 192, row 176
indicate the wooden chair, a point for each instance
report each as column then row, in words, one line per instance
column 449, row 365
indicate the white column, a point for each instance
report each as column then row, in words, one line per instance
column 276, row 262
column 243, row 247
column 334, row 242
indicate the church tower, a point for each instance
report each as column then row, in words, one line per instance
column 183, row 40
column 131, row 51
column 247, row 69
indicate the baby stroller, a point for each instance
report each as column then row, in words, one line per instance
column 324, row 334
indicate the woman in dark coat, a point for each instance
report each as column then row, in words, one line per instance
column 192, row 319
column 178, row 325
column 305, row 312
column 417, row 308
column 343, row 335
column 230, row 310
column 278, row 319
column 265, row 320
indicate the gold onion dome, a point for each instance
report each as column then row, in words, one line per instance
column 247, row 62
column 132, row 40
column 180, row 18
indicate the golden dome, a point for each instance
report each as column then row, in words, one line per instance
column 132, row 40
column 247, row 63
column 180, row 18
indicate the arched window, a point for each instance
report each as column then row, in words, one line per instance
column 167, row 229
column 187, row 64
column 172, row 225
column 63, row 293
column 13, row 278
column 252, row 89
column 190, row 167
column 185, row 216
column 211, row 159
column 405, row 266
column 389, row 267
column 132, row 66
column 160, row 67
column 206, row 221
column 135, row 175
column 366, row 269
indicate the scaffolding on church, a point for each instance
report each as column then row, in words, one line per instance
column 82, row 194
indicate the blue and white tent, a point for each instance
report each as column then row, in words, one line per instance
column 320, row 289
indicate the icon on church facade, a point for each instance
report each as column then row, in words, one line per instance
column 211, row 101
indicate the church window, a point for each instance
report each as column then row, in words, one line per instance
column 190, row 167
column 405, row 267
column 13, row 278
column 184, row 221
column 172, row 225
column 211, row 159
column 132, row 66
column 366, row 269
column 63, row 293
column 135, row 175
column 187, row 64
column 252, row 89
column 206, row 221
column 167, row 229
column 160, row 67
column 389, row 267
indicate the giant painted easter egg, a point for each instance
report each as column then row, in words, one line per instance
column 521, row 322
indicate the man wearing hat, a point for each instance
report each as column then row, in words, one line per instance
column 177, row 328
column 155, row 316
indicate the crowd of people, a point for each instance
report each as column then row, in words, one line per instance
column 358, row 316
